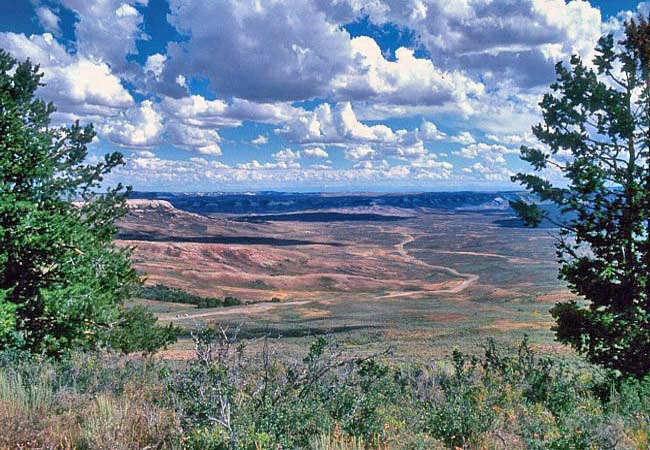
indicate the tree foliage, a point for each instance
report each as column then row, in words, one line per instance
column 62, row 281
column 596, row 134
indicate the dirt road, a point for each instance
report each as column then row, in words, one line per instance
column 468, row 277
column 258, row 307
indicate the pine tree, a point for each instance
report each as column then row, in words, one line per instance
column 63, row 282
column 599, row 116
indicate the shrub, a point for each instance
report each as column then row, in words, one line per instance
column 229, row 397
column 231, row 301
column 137, row 331
column 467, row 410
column 163, row 293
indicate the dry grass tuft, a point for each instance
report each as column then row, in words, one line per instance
column 35, row 414
column 125, row 423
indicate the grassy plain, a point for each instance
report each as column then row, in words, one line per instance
column 421, row 281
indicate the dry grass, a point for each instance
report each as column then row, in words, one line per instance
column 36, row 415
column 312, row 313
column 124, row 423
column 337, row 440
column 554, row 297
column 509, row 325
column 452, row 317
column 331, row 442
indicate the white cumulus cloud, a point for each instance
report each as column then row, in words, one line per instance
column 140, row 126
column 315, row 152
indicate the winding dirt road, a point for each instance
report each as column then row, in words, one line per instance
column 257, row 307
column 469, row 278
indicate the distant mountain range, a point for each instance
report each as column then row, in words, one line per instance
column 286, row 202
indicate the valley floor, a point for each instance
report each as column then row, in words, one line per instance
column 421, row 281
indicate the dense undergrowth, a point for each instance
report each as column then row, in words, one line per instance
column 230, row 398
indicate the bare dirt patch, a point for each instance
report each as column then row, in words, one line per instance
column 240, row 310
column 445, row 317
column 555, row 297
column 509, row 325
column 312, row 313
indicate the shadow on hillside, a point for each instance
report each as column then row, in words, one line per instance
column 235, row 240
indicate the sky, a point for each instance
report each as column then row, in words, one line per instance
column 306, row 95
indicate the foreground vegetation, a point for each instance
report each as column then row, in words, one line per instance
column 230, row 398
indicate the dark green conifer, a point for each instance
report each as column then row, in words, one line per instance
column 63, row 282
column 596, row 133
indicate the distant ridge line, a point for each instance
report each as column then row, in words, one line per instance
column 286, row 202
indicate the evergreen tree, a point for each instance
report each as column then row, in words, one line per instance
column 63, row 283
column 596, row 133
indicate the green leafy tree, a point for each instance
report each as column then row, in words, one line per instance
column 62, row 281
column 596, row 134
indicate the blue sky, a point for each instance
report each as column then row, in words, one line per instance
column 306, row 95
